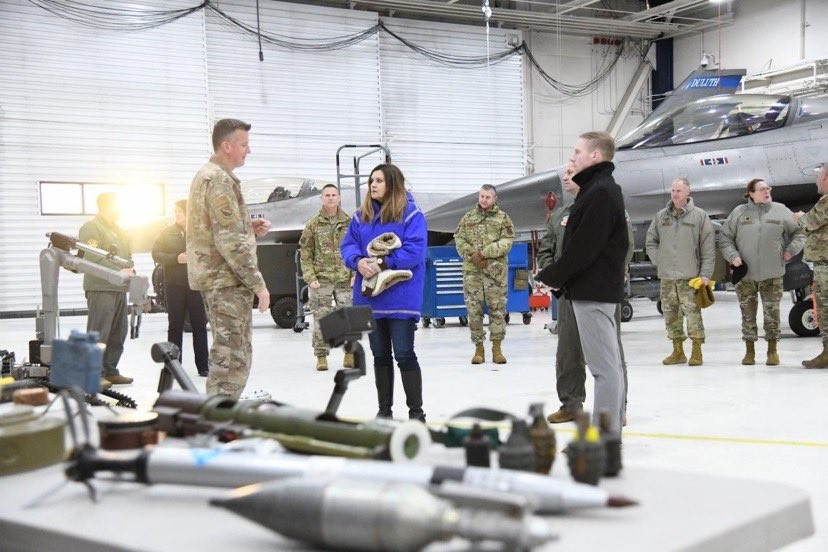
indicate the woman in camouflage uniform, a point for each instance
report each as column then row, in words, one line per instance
column 762, row 235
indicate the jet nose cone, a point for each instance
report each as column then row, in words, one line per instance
column 445, row 217
column 523, row 199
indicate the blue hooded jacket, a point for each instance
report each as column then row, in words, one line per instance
column 405, row 299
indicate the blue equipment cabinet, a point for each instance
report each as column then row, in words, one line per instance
column 443, row 292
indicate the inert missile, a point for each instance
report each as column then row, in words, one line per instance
column 222, row 467
column 374, row 515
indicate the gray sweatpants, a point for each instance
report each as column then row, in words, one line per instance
column 108, row 317
column 570, row 369
column 599, row 340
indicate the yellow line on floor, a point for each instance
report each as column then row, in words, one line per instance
column 680, row 437
column 715, row 439
column 718, row 439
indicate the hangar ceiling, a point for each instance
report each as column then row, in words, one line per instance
column 642, row 19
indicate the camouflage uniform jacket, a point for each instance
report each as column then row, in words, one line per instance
column 99, row 233
column 815, row 224
column 759, row 234
column 490, row 232
column 221, row 246
column 682, row 245
column 320, row 256
column 551, row 243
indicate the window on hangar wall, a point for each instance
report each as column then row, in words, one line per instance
column 138, row 202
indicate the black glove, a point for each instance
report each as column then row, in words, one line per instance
column 545, row 275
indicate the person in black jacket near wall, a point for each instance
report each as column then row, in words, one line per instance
column 590, row 272
column 170, row 252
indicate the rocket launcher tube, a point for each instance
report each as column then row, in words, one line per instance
column 407, row 441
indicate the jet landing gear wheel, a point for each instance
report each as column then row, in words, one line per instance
column 801, row 319
column 626, row 311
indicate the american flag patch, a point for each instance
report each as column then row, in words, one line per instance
column 713, row 161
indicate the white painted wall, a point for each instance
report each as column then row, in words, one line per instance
column 555, row 121
column 766, row 34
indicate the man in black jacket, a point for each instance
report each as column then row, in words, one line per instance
column 170, row 252
column 590, row 272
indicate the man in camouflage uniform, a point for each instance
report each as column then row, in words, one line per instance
column 570, row 366
column 681, row 243
column 484, row 238
column 107, row 303
column 815, row 225
column 329, row 280
column 221, row 255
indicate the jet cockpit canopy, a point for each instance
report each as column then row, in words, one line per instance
column 711, row 118
column 263, row 190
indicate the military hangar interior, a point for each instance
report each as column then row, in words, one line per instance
column 114, row 96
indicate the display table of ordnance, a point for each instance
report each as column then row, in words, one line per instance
column 176, row 496
column 199, row 472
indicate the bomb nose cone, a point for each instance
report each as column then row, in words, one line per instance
column 267, row 505
column 523, row 199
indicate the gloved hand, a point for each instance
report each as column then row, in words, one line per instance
column 698, row 282
column 479, row 260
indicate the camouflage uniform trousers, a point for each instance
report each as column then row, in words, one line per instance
column 821, row 294
column 748, row 292
column 323, row 301
column 230, row 311
column 678, row 301
column 486, row 287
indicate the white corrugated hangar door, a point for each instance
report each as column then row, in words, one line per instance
column 303, row 105
column 452, row 128
column 84, row 104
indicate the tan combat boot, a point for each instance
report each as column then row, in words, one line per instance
column 560, row 416
column 479, row 354
column 819, row 361
column 696, row 354
column 321, row 363
column 348, row 361
column 750, row 354
column 773, row 356
column 677, row 356
column 497, row 354
column 105, row 384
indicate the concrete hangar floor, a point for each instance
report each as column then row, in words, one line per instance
column 722, row 418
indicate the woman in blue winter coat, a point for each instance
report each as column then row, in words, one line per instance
column 386, row 245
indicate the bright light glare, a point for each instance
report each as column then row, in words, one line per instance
column 140, row 204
